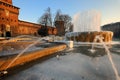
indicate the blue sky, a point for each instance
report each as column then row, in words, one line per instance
column 31, row 10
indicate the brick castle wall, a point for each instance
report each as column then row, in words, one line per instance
column 10, row 25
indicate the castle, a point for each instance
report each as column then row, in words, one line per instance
column 11, row 26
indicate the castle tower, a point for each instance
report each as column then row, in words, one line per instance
column 7, row 1
column 8, row 18
column 60, row 28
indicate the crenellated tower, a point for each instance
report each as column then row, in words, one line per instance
column 8, row 18
column 7, row 1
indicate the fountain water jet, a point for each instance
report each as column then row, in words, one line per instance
column 5, row 71
column 87, row 29
column 87, row 21
column 22, row 53
column 87, row 26
column 92, row 50
column 12, row 40
column 99, row 37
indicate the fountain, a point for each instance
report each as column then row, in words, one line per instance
column 87, row 29
column 77, row 64
column 87, row 21
column 100, row 38
column 15, row 40
column 87, row 26
column 36, row 53
column 21, row 53
column 14, row 45
column 81, row 66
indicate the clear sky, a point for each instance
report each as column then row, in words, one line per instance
column 31, row 10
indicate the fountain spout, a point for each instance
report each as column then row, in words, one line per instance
column 92, row 50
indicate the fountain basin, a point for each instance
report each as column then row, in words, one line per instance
column 29, row 56
column 89, row 36
column 76, row 64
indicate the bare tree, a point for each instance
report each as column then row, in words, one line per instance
column 70, row 27
column 46, row 18
column 57, row 17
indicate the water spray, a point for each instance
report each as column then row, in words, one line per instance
column 99, row 37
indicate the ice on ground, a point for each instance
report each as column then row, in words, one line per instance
column 73, row 66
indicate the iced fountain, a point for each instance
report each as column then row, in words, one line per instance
column 87, row 29
column 35, row 53
column 15, row 40
column 76, row 64
column 87, row 26
column 100, row 38
column 87, row 21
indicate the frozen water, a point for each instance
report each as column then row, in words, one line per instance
column 87, row 21
column 72, row 66
column 17, row 51
column 19, row 43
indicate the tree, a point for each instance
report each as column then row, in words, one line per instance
column 43, row 31
column 57, row 17
column 68, row 26
column 46, row 18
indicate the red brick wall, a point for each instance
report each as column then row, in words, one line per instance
column 9, row 21
column 27, row 28
column 7, row 1
column 8, row 17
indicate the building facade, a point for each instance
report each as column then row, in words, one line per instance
column 114, row 27
column 8, row 18
column 10, row 25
